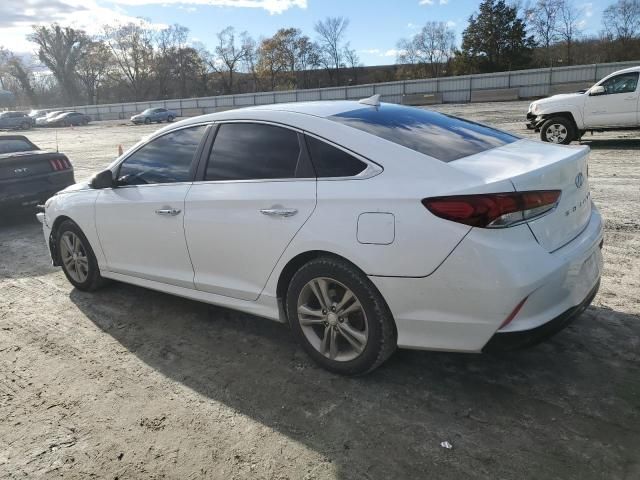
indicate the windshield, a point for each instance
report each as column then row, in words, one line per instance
column 443, row 137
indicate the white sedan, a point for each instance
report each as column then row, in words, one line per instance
column 364, row 226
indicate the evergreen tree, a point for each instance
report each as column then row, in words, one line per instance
column 495, row 40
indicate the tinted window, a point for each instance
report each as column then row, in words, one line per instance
column 440, row 136
column 11, row 145
column 247, row 151
column 163, row 160
column 330, row 161
column 624, row 83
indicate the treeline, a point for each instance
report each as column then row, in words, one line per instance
column 133, row 62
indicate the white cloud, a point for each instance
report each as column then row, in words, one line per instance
column 444, row 2
column 81, row 14
column 587, row 9
column 451, row 23
column 425, row 2
column 392, row 52
column 371, row 51
column 272, row 6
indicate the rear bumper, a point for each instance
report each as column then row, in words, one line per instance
column 462, row 305
column 505, row 341
column 29, row 192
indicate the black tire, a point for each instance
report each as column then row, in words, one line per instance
column 381, row 338
column 25, row 126
column 147, row 121
column 170, row 118
column 552, row 131
column 94, row 280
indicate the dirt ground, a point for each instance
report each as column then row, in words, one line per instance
column 129, row 383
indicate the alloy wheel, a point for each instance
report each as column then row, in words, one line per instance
column 332, row 319
column 74, row 256
column 556, row 133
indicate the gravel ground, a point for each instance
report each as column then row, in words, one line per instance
column 130, row 383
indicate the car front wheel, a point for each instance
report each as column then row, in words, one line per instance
column 78, row 261
column 170, row 119
column 557, row 130
column 339, row 317
column 147, row 121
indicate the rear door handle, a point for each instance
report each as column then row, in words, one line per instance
column 172, row 212
column 279, row 212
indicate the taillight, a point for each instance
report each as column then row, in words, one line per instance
column 58, row 164
column 493, row 210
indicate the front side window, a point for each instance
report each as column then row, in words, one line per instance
column 253, row 151
column 624, row 83
column 440, row 136
column 329, row 161
column 166, row 159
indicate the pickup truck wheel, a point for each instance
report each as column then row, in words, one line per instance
column 557, row 130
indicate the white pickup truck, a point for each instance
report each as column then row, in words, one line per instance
column 611, row 104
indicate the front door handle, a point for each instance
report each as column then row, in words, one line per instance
column 172, row 212
column 279, row 212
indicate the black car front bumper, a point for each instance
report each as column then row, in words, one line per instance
column 507, row 341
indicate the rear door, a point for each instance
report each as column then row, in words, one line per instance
column 256, row 192
column 618, row 106
column 140, row 222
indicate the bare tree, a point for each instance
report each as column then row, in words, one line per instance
column 132, row 49
column 568, row 27
column 622, row 20
column 228, row 57
column 352, row 61
column 543, row 18
column 93, row 68
column 430, row 48
column 331, row 32
column 60, row 49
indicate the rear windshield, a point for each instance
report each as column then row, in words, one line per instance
column 440, row 136
column 11, row 145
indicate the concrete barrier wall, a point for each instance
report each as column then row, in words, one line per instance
column 484, row 87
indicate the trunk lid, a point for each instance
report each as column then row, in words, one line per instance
column 533, row 165
column 18, row 165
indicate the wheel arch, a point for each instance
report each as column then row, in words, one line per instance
column 566, row 114
column 296, row 262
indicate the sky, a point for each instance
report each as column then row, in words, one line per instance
column 374, row 30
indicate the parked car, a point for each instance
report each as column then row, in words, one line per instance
column 15, row 120
column 35, row 114
column 28, row 175
column 67, row 119
column 364, row 226
column 611, row 104
column 157, row 115
column 43, row 120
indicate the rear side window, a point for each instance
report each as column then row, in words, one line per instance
column 166, row 159
column 440, row 136
column 330, row 161
column 253, row 151
column 12, row 145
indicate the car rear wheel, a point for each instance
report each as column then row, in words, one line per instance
column 25, row 126
column 78, row 261
column 147, row 121
column 557, row 130
column 339, row 317
column 170, row 119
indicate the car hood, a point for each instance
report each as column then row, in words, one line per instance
column 76, row 187
column 559, row 97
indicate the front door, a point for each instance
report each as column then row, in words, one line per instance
column 257, row 192
column 618, row 106
column 140, row 222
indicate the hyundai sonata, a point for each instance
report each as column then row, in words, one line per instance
column 364, row 226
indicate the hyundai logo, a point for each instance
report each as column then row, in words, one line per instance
column 579, row 180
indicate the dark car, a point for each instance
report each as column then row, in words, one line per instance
column 15, row 120
column 67, row 119
column 28, row 175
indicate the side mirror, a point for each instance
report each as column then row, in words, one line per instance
column 101, row 180
column 597, row 90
